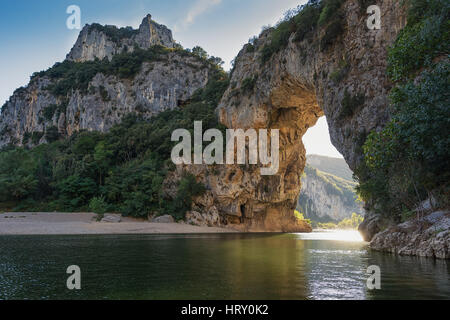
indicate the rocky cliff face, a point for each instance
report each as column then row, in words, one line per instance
column 428, row 236
column 160, row 84
column 325, row 197
column 96, row 41
column 293, row 88
column 335, row 166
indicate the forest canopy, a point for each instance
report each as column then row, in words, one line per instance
column 119, row 171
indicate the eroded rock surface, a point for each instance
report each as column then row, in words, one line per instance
column 290, row 92
column 427, row 237
column 325, row 197
column 99, row 42
column 163, row 84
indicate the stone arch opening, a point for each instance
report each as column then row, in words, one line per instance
column 270, row 201
column 290, row 90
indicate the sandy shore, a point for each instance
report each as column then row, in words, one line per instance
column 42, row 223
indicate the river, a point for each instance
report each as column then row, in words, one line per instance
column 320, row 265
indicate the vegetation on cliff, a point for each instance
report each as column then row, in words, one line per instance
column 69, row 75
column 303, row 21
column 113, row 33
column 351, row 223
column 119, row 171
column 300, row 216
column 334, row 185
column 407, row 161
column 328, row 197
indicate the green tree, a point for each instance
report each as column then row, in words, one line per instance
column 200, row 52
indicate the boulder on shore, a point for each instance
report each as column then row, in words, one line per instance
column 163, row 219
column 112, row 218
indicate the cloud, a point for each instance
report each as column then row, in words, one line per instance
column 198, row 8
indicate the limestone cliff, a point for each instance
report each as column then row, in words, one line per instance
column 97, row 41
column 335, row 166
column 428, row 236
column 311, row 76
column 72, row 96
column 295, row 73
column 325, row 197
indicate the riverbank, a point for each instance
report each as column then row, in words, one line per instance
column 427, row 237
column 57, row 223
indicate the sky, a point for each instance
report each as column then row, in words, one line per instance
column 34, row 35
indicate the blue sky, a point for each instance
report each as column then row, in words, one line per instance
column 33, row 34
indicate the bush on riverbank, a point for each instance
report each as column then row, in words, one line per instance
column 351, row 223
column 300, row 216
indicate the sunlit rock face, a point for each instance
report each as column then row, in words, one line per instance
column 290, row 92
column 101, row 42
column 325, row 197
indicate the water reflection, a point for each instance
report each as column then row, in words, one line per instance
column 335, row 235
column 233, row 266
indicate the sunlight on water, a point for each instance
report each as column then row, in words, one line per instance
column 215, row 266
column 336, row 235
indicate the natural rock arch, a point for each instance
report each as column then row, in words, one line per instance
column 346, row 82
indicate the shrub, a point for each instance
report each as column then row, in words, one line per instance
column 98, row 205
column 351, row 223
column 300, row 216
column 408, row 160
column 75, row 192
column 104, row 94
column 248, row 84
column 200, row 52
column 49, row 111
column 51, row 134
column 333, row 30
column 70, row 75
column 306, row 21
column 302, row 23
column 26, row 137
column 188, row 188
column 113, row 33
column 326, row 225
column 330, row 9
column 36, row 137
column 425, row 37
column 250, row 48
column 339, row 74
column 350, row 104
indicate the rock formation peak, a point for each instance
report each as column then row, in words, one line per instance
column 98, row 41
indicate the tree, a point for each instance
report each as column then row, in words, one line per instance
column 103, row 158
column 51, row 134
column 200, row 52
column 216, row 61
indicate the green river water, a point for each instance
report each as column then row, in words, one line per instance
column 217, row 266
